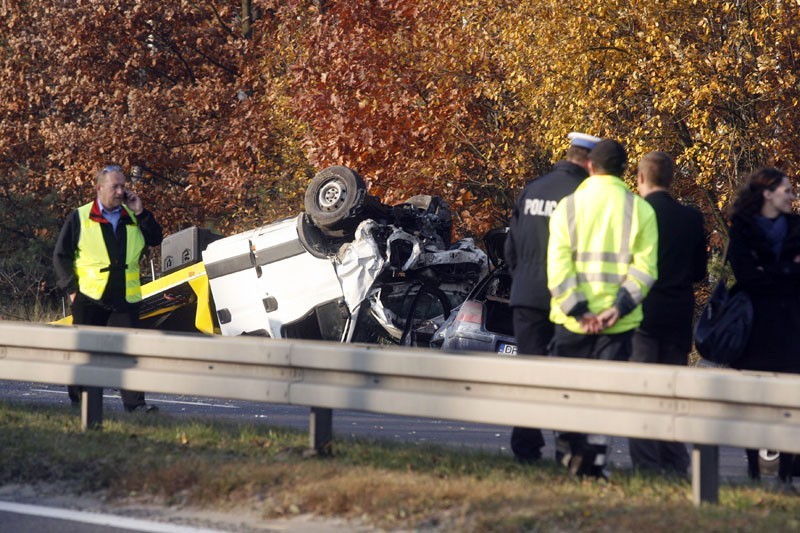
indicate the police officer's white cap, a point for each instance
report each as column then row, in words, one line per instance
column 584, row 140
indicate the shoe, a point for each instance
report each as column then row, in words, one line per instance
column 144, row 408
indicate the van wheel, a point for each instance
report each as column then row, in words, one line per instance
column 335, row 197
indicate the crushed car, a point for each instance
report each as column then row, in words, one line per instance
column 484, row 321
column 349, row 268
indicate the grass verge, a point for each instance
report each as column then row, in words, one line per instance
column 229, row 466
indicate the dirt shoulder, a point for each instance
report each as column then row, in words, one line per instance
column 240, row 519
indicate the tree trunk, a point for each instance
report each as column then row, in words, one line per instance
column 247, row 18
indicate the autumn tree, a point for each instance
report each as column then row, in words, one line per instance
column 411, row 93
column 225, row 108
column 713, row 82
column 173, row 92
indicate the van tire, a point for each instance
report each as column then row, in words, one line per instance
column 334, row 199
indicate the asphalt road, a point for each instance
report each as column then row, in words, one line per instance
column 25, row 518
column 345, row 423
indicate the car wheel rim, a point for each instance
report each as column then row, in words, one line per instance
column 331, row 195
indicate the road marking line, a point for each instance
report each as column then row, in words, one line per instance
column 117, row 396
column 99, row 519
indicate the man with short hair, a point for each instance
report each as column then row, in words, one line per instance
column 526, row 254
column 96, row 260
column 601, row 262
column 665, row 334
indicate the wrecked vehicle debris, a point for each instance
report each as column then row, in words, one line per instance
column 349, row 268
column 484, row 321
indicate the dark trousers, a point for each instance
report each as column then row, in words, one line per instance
column 533, row 331
column 614, row 347
column 587, row 454
column 87, row 312
column 654, row 455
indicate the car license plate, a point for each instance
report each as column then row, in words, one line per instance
column 507, row 349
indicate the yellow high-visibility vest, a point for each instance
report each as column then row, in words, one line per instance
column 602, row 237
column 92, row 263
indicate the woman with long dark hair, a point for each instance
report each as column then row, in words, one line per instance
column 764, row 253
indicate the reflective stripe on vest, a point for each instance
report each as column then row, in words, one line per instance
column 622, row 257
column 590, row 262
column 92, row 263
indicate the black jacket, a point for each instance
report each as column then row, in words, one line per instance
column 682, row 260
column 773, row 284
column 67, row 245
column 526, row 243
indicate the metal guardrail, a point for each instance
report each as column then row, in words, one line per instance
column 706, row 407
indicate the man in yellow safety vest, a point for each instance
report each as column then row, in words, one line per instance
column 96, row 261
column 601, row 261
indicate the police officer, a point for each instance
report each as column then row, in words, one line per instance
column 96, row 261
column 526, row 255
column 601, row 262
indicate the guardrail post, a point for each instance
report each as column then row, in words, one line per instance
column 91, row 408
column 705, row 474
column 320, row 431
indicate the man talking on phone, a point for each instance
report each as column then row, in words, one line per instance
column 96, row 261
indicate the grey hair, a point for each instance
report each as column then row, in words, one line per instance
column 108, row 169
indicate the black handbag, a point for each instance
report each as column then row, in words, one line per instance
column 723, row 329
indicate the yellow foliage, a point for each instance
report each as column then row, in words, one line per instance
column 464, row 98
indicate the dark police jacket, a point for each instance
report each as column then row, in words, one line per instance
column 526, row 243
column 682, row 260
